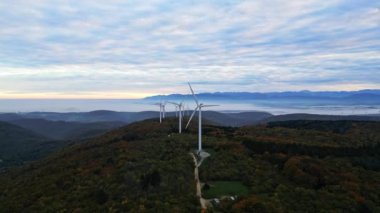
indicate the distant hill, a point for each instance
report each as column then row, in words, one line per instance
column 233, row 119
column 337, row 126
column 62, row 130
column 102, row 119
column 303, row 116
column 89, row 117
column 248, row 118
column 18, row 145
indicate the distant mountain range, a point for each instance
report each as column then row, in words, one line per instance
column 362, row 96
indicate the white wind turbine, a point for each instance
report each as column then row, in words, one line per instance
column 162, row 109
column 179, row 107
column 199, row 109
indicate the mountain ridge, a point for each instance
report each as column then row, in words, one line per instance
column 369, row 96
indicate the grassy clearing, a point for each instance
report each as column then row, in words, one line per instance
column 224, row 188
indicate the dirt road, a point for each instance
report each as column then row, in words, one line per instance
column 202, row 201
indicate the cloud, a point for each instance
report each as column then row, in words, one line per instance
column 141, row 47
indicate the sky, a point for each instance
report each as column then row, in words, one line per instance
column 132, row 49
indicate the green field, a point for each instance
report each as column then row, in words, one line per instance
column 224, row 188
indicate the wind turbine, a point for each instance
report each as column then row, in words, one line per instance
column 179, row 107
column 161, row 108
column 199, row 109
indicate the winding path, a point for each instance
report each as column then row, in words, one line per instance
column 202, row 201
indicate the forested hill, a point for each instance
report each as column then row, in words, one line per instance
column 18, row 144
column 133, row 169
column 320, row 166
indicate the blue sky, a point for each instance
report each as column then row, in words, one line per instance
column 129, row 49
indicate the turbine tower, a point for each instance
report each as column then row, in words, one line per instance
column 178, row 108
column 163, row 109
column 199, row 109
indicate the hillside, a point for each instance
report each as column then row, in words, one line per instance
column 322, row 166
column 24, row 140
column 19, row 145
column 291, row 166
column 233, row 119
column 133, row 169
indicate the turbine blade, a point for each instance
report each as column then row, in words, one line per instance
column 191, row 117
column 192, row 92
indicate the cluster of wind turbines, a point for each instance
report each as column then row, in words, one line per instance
column 162, row 110
column 180, row 112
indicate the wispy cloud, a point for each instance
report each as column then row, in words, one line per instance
column 135, row 48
